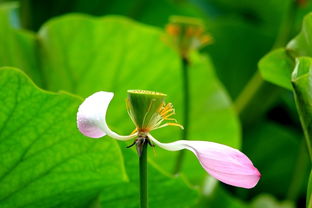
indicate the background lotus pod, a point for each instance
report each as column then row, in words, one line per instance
column 187, row 34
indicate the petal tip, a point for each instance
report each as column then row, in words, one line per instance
column 91, row 114
column 225, row 163
column 88, row 129
column 250, row 181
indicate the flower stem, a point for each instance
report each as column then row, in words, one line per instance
column 186, row 102
column 143, row 176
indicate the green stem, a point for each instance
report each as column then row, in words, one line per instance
column 308, row 142
column 246, row 95
column 305, row 127
column 255, row 92
column 186, row 102
column 143, row 176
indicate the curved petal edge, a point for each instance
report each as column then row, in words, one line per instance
column 91, row 114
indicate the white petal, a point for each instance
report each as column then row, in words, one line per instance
column 91, row 116
column 225, row 163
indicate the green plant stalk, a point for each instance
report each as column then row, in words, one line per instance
column 255, row 92
column 308, row 143
column 186, row 102
column 143, row 176
column 304, row 126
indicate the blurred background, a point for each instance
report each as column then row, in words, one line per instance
column 243, row 32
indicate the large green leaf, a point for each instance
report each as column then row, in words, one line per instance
column 45, row 161
column 118, row 55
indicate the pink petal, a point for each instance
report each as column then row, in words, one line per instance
column 225, row 163
column 91, row 114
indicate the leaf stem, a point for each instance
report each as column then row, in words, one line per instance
column 305, row 127
column 246, row 95
column 143, row 176
column 255, row 92
column 186, row 102
column 247, row 102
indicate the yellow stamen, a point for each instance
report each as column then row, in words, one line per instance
column 167, row 116
column 175, row 124
column 171, row 119
column 166, row 112
column 170, row 124
column 165, row 109
column 134, row 131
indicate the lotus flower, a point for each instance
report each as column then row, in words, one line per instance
column 148, row 112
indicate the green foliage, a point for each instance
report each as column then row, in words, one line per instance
column 301, row 44
column 276, row 67
column 45, row 161
column 237, row 47
column 244, row 31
